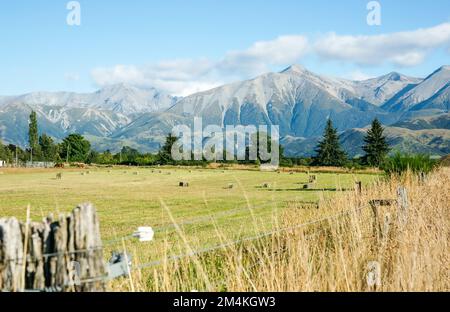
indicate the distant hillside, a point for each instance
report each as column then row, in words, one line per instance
column 430, row 141
column 441, row 121
column 295, row 99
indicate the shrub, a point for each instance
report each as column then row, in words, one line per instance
column 400, row 163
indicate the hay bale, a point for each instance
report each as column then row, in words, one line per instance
column 183, row 184
column 230, row 185
column 266, row 185
column 136, row 173
column 308, row 186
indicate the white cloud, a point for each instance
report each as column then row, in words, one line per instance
column 186, row 76
column 402, row 48
column 284, row 50
column 358, row 75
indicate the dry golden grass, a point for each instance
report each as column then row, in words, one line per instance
column 337, row 254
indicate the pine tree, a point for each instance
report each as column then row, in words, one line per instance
column 165, row 154
column 376, row 147
column 329, row 151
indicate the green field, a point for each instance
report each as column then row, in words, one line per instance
column 128, row 198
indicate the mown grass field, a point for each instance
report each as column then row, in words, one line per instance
column 128, row 197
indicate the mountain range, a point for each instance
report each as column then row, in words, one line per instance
column 414, row 111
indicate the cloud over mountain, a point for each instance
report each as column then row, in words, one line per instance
column 188, row 76
column 402, row 48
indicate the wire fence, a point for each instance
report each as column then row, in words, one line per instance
column 195, row 221
column 203, row 250
column 246, row 239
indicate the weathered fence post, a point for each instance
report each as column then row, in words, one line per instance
column 11, row 254
column 379, row 223
column 402, row 202
column 53, row 249
column 358, row 187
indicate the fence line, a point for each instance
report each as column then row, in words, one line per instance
column 158, row 229
column 251, row 238
column 192, row 221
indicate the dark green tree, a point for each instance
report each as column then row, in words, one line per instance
column 375, row 145
column 128, row 155
column 165, row 153
column 49, row 149
column 3, row 154
column 329, row 151
column 106, row 158
column 93, row 157
column 75, row 147
column 33, row 136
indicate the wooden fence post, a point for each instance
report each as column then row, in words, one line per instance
column 53, row 249
column 379, row 223
column 402, row 202
column 358, row 187
column 11, row 247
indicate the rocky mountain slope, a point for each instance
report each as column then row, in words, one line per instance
column 297, row 100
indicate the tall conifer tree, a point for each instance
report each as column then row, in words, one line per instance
column 375, row 145
column 329, row 151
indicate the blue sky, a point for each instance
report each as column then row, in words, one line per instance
column 188, row 46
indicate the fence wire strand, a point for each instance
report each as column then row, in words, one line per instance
column 251, row 238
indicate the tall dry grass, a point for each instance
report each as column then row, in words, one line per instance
column 349, row 250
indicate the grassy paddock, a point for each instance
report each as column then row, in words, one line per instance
column 330, row 255
column 337, row 254
column 129, row 197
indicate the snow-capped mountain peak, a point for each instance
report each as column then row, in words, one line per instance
column 295, row 68
column 430, row 86
column 120, row 98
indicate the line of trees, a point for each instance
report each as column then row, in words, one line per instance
column 329, row 151
column 75, row 148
